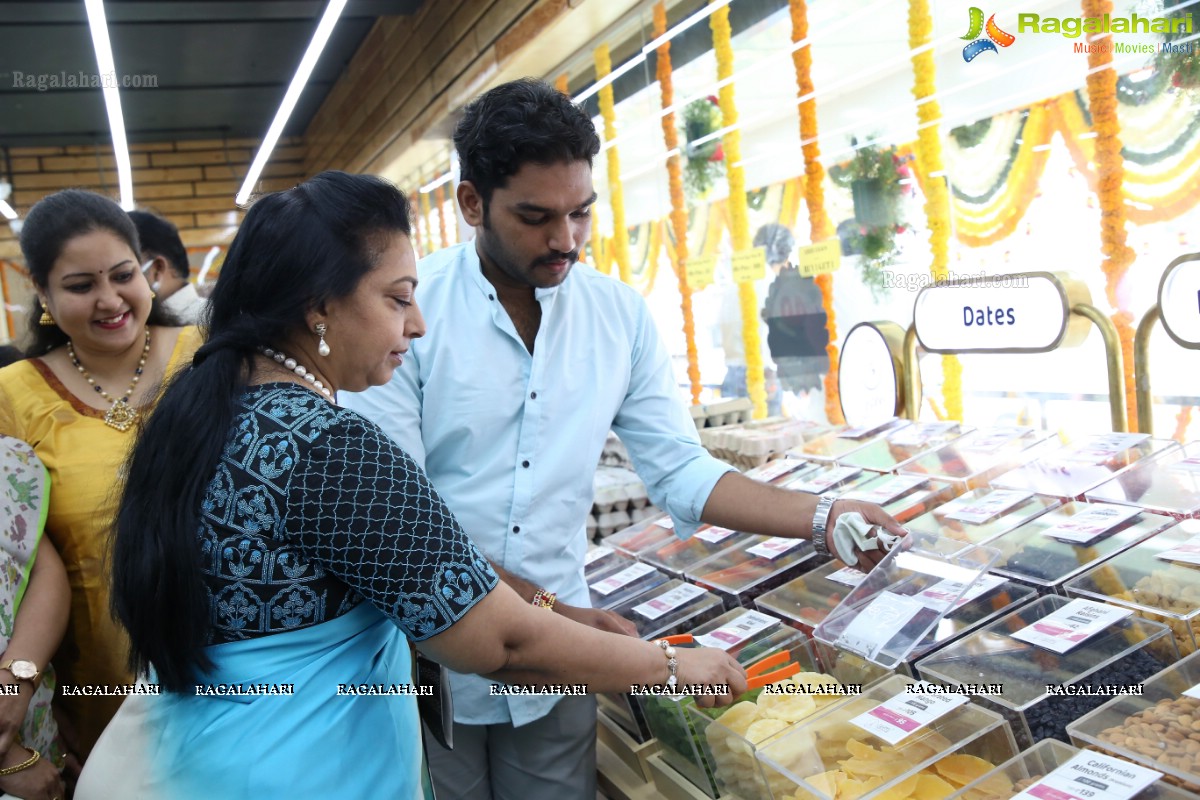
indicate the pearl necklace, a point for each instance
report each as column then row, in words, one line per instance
column 121, row 415
column 291, row 364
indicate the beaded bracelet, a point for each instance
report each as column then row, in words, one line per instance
column 24, row 765
column 672, row 663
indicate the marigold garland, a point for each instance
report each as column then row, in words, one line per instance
column 440, row 198
column 562, row 83
column 1183, row 420
column 814, row 197
column 739, row 216
column 1110, row 170
column 620, row 237
column 426, row 224
column 929, row 162
column 679, row 214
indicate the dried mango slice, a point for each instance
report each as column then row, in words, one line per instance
column 860, row 749
column 763, row 729
column 739, row 717
column 850, row 788
column 931, row 787
column 901, row 791
column 961, row 769
column 786, row 707
column 825, row 782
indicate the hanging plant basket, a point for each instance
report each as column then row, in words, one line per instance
column 871, row 206
column 704, row 163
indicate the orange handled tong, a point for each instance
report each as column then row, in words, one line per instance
column 756, row 674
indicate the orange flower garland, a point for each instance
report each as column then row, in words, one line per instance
column 561, row 83
column 814, row 197
column 620, row 237
column 929, row 162
column 1183, row 421
column 1110, row 170
column 739, row 215
column 440, row 199
column 679, row 214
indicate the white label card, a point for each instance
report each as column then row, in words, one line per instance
column 775, row 469
column 992, row 439
column 1092, row 776
column 714, row 535
column 878, row 623
column 1188, row 552
column 1193, row 692
column 622, row 578
column 847, row 576
column 978, row 510
column 1190, row 465
column 596, row 553
column 862, row 431
column 896, row 719
column 741, row 629
column 666, row 522
column 668, row 601
column 889, row 490
column 1098, row 449
column 1096, row 520
column 774, row 547
column 921, row 433
column 1071, row 625
column 943, row 593
column 823, row 480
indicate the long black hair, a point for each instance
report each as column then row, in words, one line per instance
column 294, row 251
column 52, row 222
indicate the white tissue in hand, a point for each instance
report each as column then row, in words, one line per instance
column 853, row 531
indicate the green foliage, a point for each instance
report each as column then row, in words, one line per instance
column 703, row 164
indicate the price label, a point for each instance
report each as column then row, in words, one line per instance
column 1092, row 776
column 921, row 433
column 1193, row 692
column 992, row 439
column 878, row 624
column 889, row 490
column 942, row 594
column 700, row 271
column 714, row 535
column 1098, row 449
column 862, row 431
column 896, row 719
column 665, row 522
column 820, row 258
column 1187, row 553
column 1071, row 625
column 668, row 601
column 823, row 481
column 1190, row 465
column 774, row 547
column 1097, row 520
column 750, row 265
column 978, row 510
column 595, row 554
column 847, row 576
column 775, row 469
column 741, row 629
column 622, row 578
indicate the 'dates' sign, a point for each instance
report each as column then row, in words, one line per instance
column 1179, row 300
column 1028, row 312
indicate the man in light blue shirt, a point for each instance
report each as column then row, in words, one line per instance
column 527, row 363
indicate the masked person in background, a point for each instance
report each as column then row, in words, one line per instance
column 165, row 263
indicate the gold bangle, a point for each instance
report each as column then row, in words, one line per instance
column 24, row 765
column 544, row 599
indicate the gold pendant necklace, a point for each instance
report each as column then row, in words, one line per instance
column 121, row 415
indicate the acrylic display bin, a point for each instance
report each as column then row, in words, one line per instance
column 827, row 479
column 981, row 515
column 658, row 529
column 805, row 601
column 841, row 442
column 905, row 497
column 601, row 560
column 1071, row 471
column 1168, row 483
column 901, row 446
column 780, row 470
column 741, row 574
column 617, row 588
column 1014, row 677
column 977, row 457
column 677, row 556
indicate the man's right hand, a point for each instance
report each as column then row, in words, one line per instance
column 597, row 618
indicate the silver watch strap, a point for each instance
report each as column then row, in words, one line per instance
column 820, row 524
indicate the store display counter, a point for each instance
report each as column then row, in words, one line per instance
column 1071, row 471
column 981, row 455
column 981, row 515
column 900, row 447
column 1168, row 483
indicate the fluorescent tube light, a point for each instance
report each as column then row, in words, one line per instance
column 683, row 26
column 435, row 183
column 112, row 99
column 7, row 210
column 609, row 78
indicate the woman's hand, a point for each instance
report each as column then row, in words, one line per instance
column 709, row 666
column 39, row 782
column 13, row 709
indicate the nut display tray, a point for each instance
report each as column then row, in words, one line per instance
column 905, row 497
column 1158, row 578
column 900, row 446
column 1071, row 471
column 845, row 440
column 1021, row 679
column 806, row 600
column 981, row 455
column 639, row 536
column 677, row 556
column 1160, row 728
column 1169, row 482
column 1036, row 553
column 981, row 515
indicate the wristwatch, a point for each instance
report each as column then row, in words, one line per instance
column 22, row 669
column 820, row 523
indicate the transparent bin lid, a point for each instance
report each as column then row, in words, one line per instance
column 981, row 515
column 805, row 601
column 900, row 446
column 1169, row 482
column 617, row 588
column 905, row 497
column 826, row 479
column 670, row 608
column 1039, row 553
column 980, row 455
column 1119, row 649
column 657, row 529
column 679, row 555
column 1073, row 470
column 889, row 742
column 744, row 633
column 1034, row 765
column 842, row 441
column 904, row 597
column 755, row 566
column 601, row 560
column 1124, row 725
column 781, row 470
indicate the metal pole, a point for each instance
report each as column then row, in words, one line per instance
column 912, row 375
column 1141, row 369
column 1116, row 372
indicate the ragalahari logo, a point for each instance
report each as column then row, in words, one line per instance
column 994, row 37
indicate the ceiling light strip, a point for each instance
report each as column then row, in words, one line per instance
column 112, row 99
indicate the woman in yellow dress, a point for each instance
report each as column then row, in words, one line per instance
column 101, row 349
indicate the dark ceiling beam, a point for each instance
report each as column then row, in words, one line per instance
column 125, row 12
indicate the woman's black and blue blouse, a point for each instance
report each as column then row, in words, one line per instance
column 314, row 509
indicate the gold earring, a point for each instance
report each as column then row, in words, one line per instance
column 153, row 294
column 46, row 319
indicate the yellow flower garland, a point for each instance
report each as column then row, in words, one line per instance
column 440, row 199
column 929, row 161
column 426, row 220
column 620, row 237
column 1110, row 170
column 1182, row 421
column 739, row 215
column 679, row 214
column 814, row 197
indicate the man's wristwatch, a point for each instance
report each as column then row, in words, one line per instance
column 820, row 524
column 22, row 669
